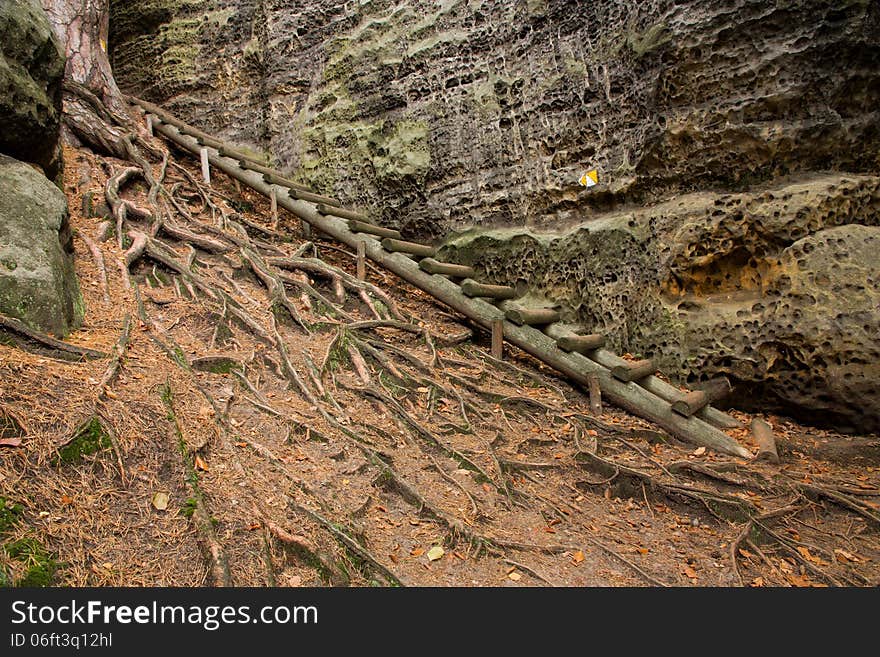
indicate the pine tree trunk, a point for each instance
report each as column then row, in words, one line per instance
column 94, row 111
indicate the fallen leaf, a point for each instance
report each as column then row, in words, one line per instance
column 843, row 556
column 758, row 581
column 417, row 552
column 800, row 580
column 643, row 550
column 577, row 557
column 10, row 442
column 809, row 556
column 487, row 487
column 160, row 501
column 690, row 572
column 66, row 500
column 393, row 557
column 435, row 553
column 253, row 526
column 200, row 463
column 699, row 451
column 515, row 576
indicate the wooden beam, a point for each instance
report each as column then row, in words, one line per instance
column 634, row 370
column 498, row 339
column 323, row 208
column 446, row 268
column 413, row 248
column 595, row 394
column 582, row 344
column 700, row 397
column 763, row 434
column 356, row 226
column 206, row 166
column 531, row 316
column 473, row 289
column 361, row 260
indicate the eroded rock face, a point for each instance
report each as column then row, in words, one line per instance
column 37, row 281
column 455, row 113
column 31, row 70
column 778, row 290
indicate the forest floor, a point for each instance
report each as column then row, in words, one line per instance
column 359, row 449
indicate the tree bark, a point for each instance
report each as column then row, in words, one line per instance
column 94, row 110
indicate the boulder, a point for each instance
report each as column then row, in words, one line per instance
column 31, row 72
column 37, row 281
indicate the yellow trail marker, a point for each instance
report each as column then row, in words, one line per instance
column 590, row 178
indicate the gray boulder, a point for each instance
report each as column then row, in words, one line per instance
column 37, row 281
column 31, row 72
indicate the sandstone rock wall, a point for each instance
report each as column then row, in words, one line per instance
column 449, row 114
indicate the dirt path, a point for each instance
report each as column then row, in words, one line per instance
column 372, row 450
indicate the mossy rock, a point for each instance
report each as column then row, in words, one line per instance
column 31, row 71
column 38, row 284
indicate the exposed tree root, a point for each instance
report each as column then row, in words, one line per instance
column 31, row 340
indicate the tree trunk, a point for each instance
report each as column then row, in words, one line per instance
column 94, row 110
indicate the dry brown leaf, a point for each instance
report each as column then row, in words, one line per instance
column 160, row 501
column 200, row 463
column 515, row 576
column 690, row 572
column 757, row 582
column 843, row 556
column 699, row 451
column 577, row 557
column 799, row 580
column 417, row 551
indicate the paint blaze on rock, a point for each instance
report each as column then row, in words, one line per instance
column 37, row 281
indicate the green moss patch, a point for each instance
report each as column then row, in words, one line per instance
column 88, row 439
column 10, row 514
column 39, row 563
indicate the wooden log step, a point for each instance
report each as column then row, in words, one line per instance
column 345, row 213
column 356, row 226
column 523, row 316
column 471, row 288
column 446, row 268
column 582, row 344
column 246, row 161
column 210, row 142
column 699, row 398
column 413, row 248
column 303, row 195
column 633, row 370
column 653, row 384
column 690, row 403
